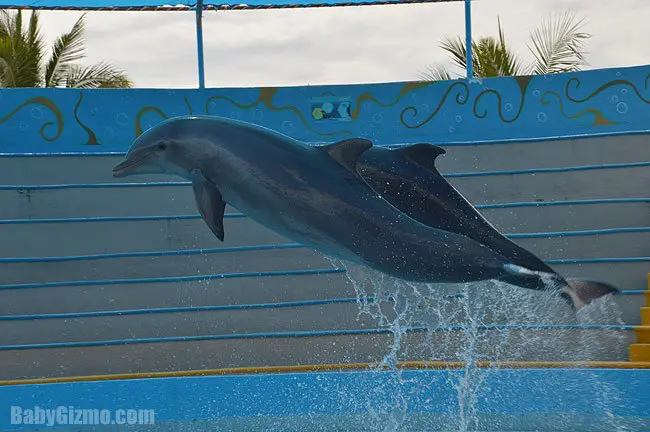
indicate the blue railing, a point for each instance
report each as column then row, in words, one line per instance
column 312, row 333
column 449, row 175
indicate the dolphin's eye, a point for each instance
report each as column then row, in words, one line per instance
column 162, row 146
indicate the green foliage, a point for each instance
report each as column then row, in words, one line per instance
column 557, row 45
column 23, row 62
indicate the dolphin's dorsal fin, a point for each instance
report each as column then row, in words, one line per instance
column 209, row 201
column 423, row 154
column 348, row 151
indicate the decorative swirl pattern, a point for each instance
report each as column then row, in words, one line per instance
column 143, row 111
column 92, row 138
column 603, row 88
column 407, row 88
column 599, row 118
column 161, row 113
column 569, row 104
column 460, row 100
column 522, row 82
column 266, row 97
column 47, row 103
column 187, row 104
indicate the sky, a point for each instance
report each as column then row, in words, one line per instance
column 341, row 45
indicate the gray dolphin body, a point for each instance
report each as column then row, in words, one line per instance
column 313, row 195
column 411, row 182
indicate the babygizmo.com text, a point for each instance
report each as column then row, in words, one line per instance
column 69, row 415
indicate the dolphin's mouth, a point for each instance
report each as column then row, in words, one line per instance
column 128, row 165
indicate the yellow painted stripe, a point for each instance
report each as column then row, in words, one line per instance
column 332, row 367
column 645, row 316
column 640, row 352
column 642, row 334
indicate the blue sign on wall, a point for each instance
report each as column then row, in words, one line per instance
column 331, row 107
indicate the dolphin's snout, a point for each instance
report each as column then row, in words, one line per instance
column 118, row 170
column 132, row 164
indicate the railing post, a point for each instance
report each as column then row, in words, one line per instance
column 468, row 38
column 199, row 42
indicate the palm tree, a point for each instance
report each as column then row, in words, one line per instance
column 23, row 61
column 557, row 45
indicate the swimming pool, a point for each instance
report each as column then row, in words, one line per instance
column 111, row 289
column 533, row 399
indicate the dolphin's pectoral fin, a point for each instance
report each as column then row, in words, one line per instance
column 210, row 204
column 423, row 154
column 348, row 151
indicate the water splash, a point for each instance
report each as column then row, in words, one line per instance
column 472, row 323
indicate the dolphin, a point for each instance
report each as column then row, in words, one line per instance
column 410, row 180
column 313, row 195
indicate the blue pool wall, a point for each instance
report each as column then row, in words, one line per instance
column 587, row 103
column 569, row 392
column 111, row 276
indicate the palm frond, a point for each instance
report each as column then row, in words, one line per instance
column 36, row 43
column 5, row 23
column 435, row 73
column 508, row 61
column 100, row 75
column 558, row 45
column 490, row 56
column 120, row 80
column 494, row 59
column 456, row 49
column 68, row 48
column 20, row 53
column 17, row 65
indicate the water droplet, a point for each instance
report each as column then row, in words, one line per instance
column 621, row 107
column 36, row 113
column 451, row 129
column 287, row 126
column 508, row 106
column 378, row 118
column 122, row 119
column 458, row 118
column 259, row 114
column 541, row 117
column 235, row 115
column 23, row 127
column 536, row 93
column 624, row 91
column 614, row 98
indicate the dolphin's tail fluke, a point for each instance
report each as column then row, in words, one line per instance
column 577, row 292
column 582, row 292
